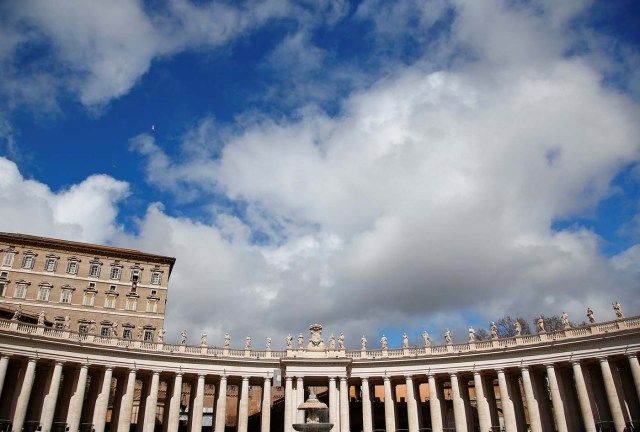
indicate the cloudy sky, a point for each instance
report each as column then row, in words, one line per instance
column 375, row 166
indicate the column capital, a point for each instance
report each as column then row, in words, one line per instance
column 267, row 378
column 408, row 377
column 5, row 356
column 603, row 360
column 548, row 365
column 202, row 375
column 156, row 372
column 332, row 378
column 178, row 374
column 453, row 374
column 632, row 355
column 575, row 362
column 365, row 379
column 245, row 378
column 386, row 378
column 32, row 359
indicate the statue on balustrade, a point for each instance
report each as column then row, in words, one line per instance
column 289, row 341
column 426, row 339
column 41, row 317
column 247, row 342
column 494, row 330
column 447, row 336
column 565, row 320
column 67, row 322
column 405, row 340
column 341, row 341
column 114, row 329
column 383, row 342
column 183, row 337
column 472, row 334
column 618, row 310
column 518, row 327
column 540, row 324
column 203, row 339
column 363, row 342
column 300, row 341
column 227, row 340
column 92, row 327
column 590, row 316
column 268, row 346
column 332, row 342
column 161, row 335
column 18, row 313
column 139, row 335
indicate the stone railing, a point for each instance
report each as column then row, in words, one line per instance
column 7, row 326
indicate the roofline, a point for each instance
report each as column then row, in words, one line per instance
column 87, row 248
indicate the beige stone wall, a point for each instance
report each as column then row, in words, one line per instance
column 38, row 274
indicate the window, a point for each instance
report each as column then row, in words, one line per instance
column 83, row 327
column 110, row 301
column 127, row 333
column 116, row 272
column 89, row 298
column 27, row 261
column 43, row 292
column 58, row 323
column 131, row 304
column 148, row 335
column 152, row 305
column 73, row 265
column 7, row 259
column 65, row 297
column 3, row 288
column 105, row 330
column 94, row 270
column 136, row 273
column 21, row 289
column 51, row 263
column 156, row 278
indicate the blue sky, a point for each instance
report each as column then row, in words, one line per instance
column 408, row 165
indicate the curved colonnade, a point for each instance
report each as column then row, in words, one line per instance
column 575, row 379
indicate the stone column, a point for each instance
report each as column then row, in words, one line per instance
column 23, row 397
column 299, row 414
column 50, row 399
column 221, row 405
column 412, row 405
column 174, row 405
column 126, row 406
column 367, row 413
column 434, row 405
column 484, row 417
column 532, row 403
column 288, row 395
column 635, row 371
column 243, row 406
column 508, row 413
column 266, row 406
column 389, row 407
column 583, row 398
column 4, row 363
column 344, row 404
column 151, row 404
column 556, row 400
column 612, row 395
column 333, row 402
column 198, row 403
column 102, row 403
column 75, row 405
column 458, row 405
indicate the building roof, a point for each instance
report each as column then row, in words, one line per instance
column 87, row 248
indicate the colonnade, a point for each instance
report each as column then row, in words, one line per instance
column 565, row 395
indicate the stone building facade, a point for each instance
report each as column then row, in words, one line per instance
column 83, row 287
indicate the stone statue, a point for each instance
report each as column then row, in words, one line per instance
column 139, row 335
column 227, row 340
column 300, row 341
column 18, row 313
column 565, row 320
column 92, row 327
column 405, row 340
column 494, row 330
column 472, row 334
column 384, row 342
column 332, row 342
column 67, row 322
column 247, row 342
column 425, row 339
column 341, row 341
column 114, row 328
column 289, row 341
column 268, row 343
column 618, row 310
column 315, row 340
column 363, row 342
column 540, row 324
column 183, row 337
column 161, row 335
column 590, row 315
column 447, row 336
column 518, row 328
column 41, row 317
column 203, row 339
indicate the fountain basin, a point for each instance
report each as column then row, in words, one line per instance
column 313, row 427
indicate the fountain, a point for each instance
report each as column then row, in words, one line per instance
column 313, row 407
